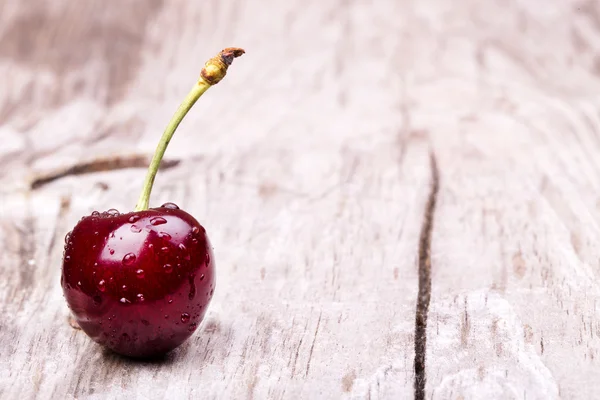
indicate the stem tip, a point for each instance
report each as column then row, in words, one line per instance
column 215, row 69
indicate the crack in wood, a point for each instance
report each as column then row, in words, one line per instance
column 424, row 292
column 99, row 165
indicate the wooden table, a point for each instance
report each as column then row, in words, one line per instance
column 402, row 195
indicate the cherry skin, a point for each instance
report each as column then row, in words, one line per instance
column 138, row 283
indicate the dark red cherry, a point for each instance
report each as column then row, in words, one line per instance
column 138, row 283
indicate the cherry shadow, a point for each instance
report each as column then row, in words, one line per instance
column 167, row 359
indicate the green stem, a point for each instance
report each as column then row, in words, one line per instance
column 214, row 70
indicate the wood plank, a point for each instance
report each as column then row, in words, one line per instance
column 314, row 209
column 514, row 300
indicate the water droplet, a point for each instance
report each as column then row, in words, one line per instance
column 124, row 287
column 170, row 206
column 207, row 257
column 158, row 221
column 185, row 317
column 67, row 258
column 195, row 241
column 135, row 229
column 166, row 316
column 95, row 264
column 186, row 254
column 202, row 277
column 111, row 279
column 192, row 327
column 95, row 214
column 102, row 285
column 79, row 283
column 96, row 233
column 164, row 249
column 67, row 237
column 112, row 212
column 111, row 251
column 124, row 300
column 164, row 235
column 134, row 218
column 140, row 297
column 195, row 230
column 170, row 301
column 139, row 273
column 168, row 268
column 93, row 246
column 129, row 259
column 151, row 246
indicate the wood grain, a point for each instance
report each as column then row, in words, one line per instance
column 309, row 166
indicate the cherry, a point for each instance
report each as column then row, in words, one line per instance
column 140, row 283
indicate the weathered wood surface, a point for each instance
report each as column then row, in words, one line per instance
column 309, row 165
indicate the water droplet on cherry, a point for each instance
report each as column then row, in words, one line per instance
column 67, row 238
column 102, row 285
column 202, row 277
column 195, row 230
column 112, row 212
column 135, row 229
column 168, row 268
column 124, row 300
column 207, row 259
column 170, row 206
column 139, row 273
column 95, row 213
column 164, row 249
column 134, row 218
column 140, row 296
column 185, row 317
column 129, row 259
column 111, row 251
column 158, row 221
column 164, row 235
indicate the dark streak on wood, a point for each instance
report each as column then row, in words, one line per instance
column 312, row 346
column 99, row 165
column 424, row 293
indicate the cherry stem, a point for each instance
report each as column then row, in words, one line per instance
column 214, row 70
